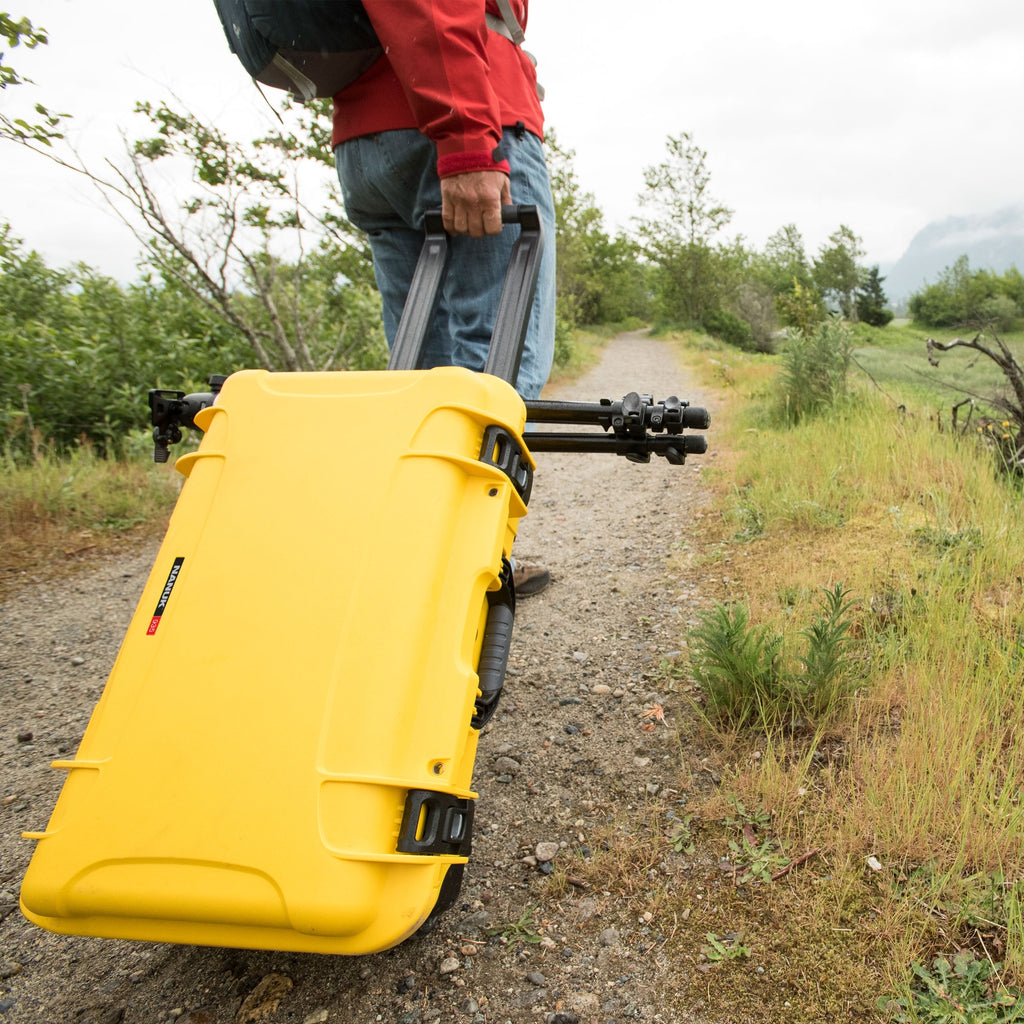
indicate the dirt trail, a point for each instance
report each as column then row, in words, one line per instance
column 565, row 753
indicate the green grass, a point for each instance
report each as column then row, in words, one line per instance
column 895, row 359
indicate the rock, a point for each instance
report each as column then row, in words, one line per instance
column 536, row 978
column 580, row 656
column 77, row 661
column 561, row 1017
column 601, row 688
column 262, row 1002
column 476, row 924
column 449, row 964
column 25, row 736
column 317, row 1017
column 507, row 766
column 609, row 937
column 545, row 852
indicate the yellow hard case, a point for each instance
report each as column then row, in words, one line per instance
column 302, row 659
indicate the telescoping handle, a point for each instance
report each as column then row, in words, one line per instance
column 513, row 313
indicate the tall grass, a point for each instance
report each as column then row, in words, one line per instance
column 57, row 509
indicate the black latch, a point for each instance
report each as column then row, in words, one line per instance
column 501, row 450
column 436, row 823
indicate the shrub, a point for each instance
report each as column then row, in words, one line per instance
column 813, row 376
column 729, row 328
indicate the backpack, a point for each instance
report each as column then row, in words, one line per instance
column 314, row 48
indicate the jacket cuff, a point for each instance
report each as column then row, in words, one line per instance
column 463, row 163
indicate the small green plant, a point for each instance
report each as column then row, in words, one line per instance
column 523, row 930
column 758, row 818
column 826, row 664
column 739, row 667
column 968, row 991
column 747, row 679
column 758, row 862
column 681, row 836
column 721, row 949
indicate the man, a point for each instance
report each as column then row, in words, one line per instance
column 450, row 116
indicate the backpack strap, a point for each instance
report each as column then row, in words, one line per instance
column 508, row 26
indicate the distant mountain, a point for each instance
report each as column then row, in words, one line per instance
column 991, row 241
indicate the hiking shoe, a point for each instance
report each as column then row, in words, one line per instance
column 530, row 579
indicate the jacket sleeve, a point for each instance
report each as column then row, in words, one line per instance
column 438, row 51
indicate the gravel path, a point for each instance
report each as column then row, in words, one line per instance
column 527, row 940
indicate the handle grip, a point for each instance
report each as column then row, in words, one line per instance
column 513, row 313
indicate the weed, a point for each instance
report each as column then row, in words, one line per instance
column 739, row 667
column 681, row 837
column 826, row 665
column 968, row 991
column 757, row 862
column 729, row 947
column 523, row 930
column 748, row 680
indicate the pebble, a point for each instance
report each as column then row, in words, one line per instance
column 317, row 1017
column 536, row 978
column 609, row 937
column 77, row 660
column 507, row 766
column 545, row 852
column 601, row 688
column 25, row 736
column 580, row 656
column 449, row 964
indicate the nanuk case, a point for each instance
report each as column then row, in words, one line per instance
column 282, row 756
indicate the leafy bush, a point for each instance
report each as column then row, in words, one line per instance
column 729, row 328
column 813, row 376
column 962, row 296
column 800, row 308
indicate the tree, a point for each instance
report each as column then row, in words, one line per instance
column 291, row 277
column 871, row 300
column 837, row 272
column 22, row 32
column 962, row 296
column 785, row 260
column 678, row 236
column 599, row 278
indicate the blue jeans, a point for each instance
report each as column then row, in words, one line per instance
column 388, row 181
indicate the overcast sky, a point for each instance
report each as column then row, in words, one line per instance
column 883, row 115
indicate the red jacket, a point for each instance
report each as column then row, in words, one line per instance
column 447, row 74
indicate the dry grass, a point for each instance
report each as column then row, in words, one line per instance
column 57, row 513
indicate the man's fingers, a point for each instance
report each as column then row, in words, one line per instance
column 471, row 203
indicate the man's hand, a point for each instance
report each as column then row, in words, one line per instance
column 471, row 203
